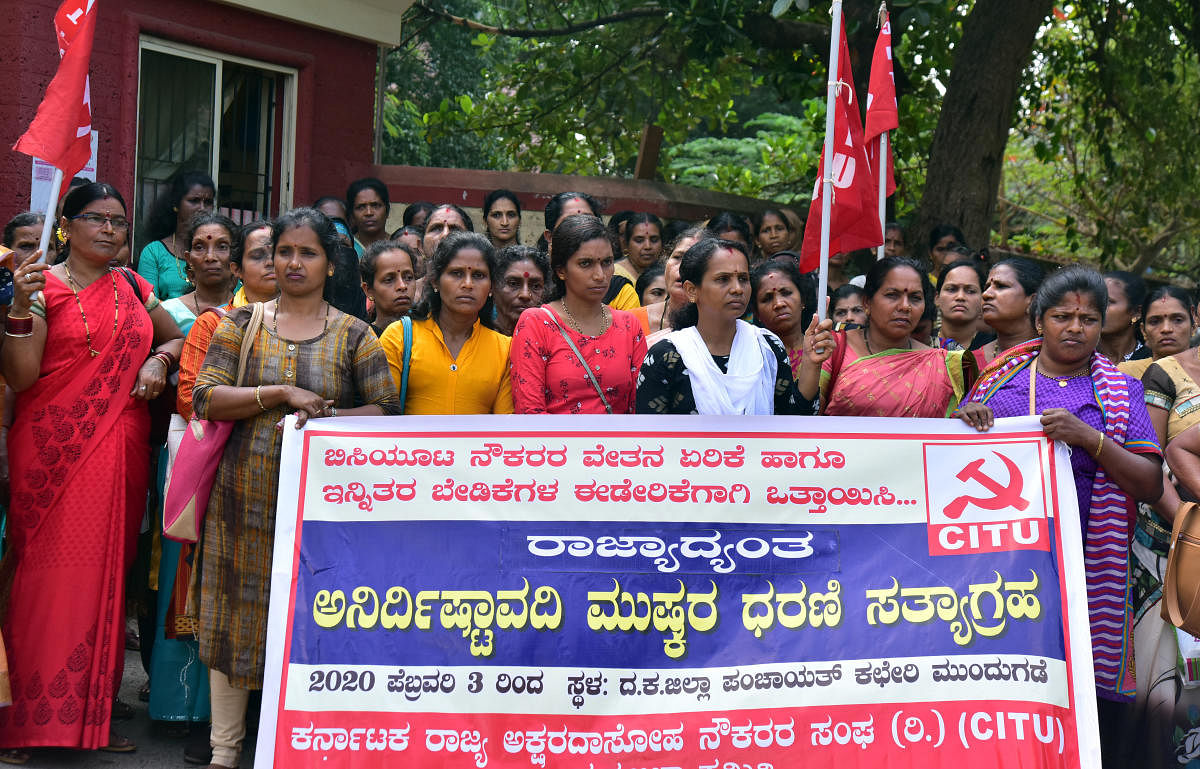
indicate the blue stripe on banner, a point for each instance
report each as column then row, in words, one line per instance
column 764, row 577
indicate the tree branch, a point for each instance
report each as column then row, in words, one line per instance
column 783, row 34
column 570, row 29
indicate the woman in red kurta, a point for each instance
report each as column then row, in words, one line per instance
column 548, row 376
column 79, row 463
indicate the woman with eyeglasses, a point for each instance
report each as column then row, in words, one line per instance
column 79, row 464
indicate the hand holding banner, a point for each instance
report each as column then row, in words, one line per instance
column 458, row 592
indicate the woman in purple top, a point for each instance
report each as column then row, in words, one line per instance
column 1089, row 405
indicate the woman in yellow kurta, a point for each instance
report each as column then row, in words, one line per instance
column 458, row 363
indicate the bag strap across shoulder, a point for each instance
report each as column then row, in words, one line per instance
column 591, row 377
column 406, row 324
column 127, row 274
column 251, row 333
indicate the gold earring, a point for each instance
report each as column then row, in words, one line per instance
column 330, row 273
column 62, row 236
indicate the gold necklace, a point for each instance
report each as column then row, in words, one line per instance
column 867, row 340
column 275, row 324
column 605, row 318
column 180, row 264
column 71, row 284
column 1063, row 380
column 196, row 302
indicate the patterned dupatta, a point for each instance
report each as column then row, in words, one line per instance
column 1106, row 541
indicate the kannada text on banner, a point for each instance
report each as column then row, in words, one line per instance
column 676, row 593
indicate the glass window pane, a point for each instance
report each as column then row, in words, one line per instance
column 175, row 124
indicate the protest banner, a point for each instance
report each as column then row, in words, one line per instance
column 700, row 593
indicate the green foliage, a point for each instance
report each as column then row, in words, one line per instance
column 432, row 85
column 1105, row 168
column 577, row 104
column 1099, row 168
column 778, row 161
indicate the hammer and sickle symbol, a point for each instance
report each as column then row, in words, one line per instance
column 1004, row 496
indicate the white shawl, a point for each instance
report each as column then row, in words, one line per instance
column 748, row 384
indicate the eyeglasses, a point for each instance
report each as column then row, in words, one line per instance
column 118, row 223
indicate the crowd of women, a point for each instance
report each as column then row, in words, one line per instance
column 322, row 314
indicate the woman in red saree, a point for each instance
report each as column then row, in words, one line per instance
column 79, row 462
column 880, row 370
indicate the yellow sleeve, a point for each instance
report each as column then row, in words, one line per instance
column 392, row 342
column 504, row 400
column 626, row 299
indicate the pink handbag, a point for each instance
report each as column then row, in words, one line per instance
column 195, row 468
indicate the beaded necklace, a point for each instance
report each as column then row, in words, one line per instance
column 71, row 284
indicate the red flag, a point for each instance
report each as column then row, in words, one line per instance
column 882, row 112
column 61, row 132
column 854, row 216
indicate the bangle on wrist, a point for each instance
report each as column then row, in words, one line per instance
column 258, row 397
column 19, row 326
column 18, row 336
column 167, row 358
column 1099, row 447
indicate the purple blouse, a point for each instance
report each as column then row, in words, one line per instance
column 1078, row 397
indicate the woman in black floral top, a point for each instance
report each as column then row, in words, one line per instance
column 714, row 363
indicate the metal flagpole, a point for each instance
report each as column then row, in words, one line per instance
column 835, row 34
column 51, row 208
column 882, row 172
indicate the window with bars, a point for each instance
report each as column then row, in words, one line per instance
column 229, row 117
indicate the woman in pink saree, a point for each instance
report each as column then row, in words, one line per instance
column 880, row 370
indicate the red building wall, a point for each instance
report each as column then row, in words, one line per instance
column 335, row 86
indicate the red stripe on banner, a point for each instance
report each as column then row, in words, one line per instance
column 982, row 734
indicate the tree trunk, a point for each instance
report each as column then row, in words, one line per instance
column 962, row 183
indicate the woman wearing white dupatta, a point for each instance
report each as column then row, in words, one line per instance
column 714, row 363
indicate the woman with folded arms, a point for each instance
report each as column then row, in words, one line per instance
column 84, row 360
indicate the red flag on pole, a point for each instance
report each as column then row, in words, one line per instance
column 61, row 131
column 853, row 220
column 882, row 112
